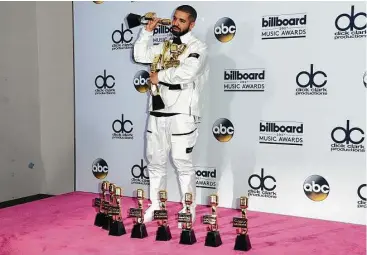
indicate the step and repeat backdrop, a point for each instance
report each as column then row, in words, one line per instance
column 285, row 104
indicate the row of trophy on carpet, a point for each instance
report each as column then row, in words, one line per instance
column 109, row 217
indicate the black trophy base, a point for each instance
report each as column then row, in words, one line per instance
column 213, row 239
column 107, row 223
column 157, row 103
column 139, row 231
column 117, row 228
column 163, row 234
column 188, row 237
column 99, row 220
column 242, row 243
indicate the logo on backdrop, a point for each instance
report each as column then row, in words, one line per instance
column 140, row 174
column 122, row 128
column 100, row 168
column 361, row 192
column 311, row 82
column 105, row 84
column 316, row 188
column 281, row 132
column 262, row 186
column 122, row 38
column 284, row 26
column 223, row 130
column 365, row 79
column 251, row 79
column 351, row 25
column 161, row 34
column 140, row 81
column 206, row 177
column 348, row 138
column 225, row 29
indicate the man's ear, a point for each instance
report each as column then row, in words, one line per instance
column 192, row 24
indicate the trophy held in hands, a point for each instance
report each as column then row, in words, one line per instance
column 213, row 238
column 163, row 232
column 243, row 240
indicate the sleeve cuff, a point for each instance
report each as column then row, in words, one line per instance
column 145, row 32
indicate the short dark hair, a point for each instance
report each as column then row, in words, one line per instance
column 190, row 10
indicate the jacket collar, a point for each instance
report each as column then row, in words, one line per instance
column 186, row 37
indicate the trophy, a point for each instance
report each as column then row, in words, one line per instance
column 157, row 101
column 117, row 227
column 213, row 238
column 99, row 202
column 139, row 230
column 163, row 232
column 106, row 207
column 187, row 234
column 243, row 240
column 134, row 20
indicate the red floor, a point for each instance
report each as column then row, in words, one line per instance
column 64, row 225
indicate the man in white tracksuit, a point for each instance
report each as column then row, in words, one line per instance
column 174, row 128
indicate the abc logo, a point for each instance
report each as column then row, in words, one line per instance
column 140, row 81
column 225, row 29
column 98, row 2
column 365, row 79
column 316, row 188
column 223, row 130
column 100, row 168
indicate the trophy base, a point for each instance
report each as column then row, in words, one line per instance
column 107, row 222
column 139, row 231
column 213, row 239
column 188, row 237
column 157, row 103
column 163, row 234
column 242, row 243
column 99, row 220
column 117, row 228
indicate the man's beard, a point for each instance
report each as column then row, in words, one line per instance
column 179, row 33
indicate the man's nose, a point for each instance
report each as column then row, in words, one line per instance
column 175, row 23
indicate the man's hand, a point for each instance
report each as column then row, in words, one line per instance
column 152, row 24
column 154, row 78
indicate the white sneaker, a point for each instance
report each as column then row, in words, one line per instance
column 193, row 215
column 149, row 213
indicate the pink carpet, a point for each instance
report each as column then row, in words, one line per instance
column 64, row 225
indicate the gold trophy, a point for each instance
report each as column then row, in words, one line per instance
column 106, row 207
column 117, row 227
column 99, row 203
column 243, row 240
column 139, row 230
column 163, row 232
column 187, row 234
column 157, row 101
column 134, row 20
column 213, row 238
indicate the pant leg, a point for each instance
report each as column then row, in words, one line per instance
column 184, row 133
column 157, row 154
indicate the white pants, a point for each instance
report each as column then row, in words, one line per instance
column 176, row 134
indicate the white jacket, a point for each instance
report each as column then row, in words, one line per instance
column 191, row 74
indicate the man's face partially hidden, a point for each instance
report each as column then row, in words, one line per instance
column 181, row 23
